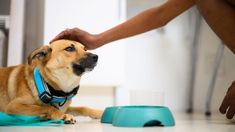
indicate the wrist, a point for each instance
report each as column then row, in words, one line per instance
column 99, row 40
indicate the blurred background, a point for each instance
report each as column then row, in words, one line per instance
column 180, row 65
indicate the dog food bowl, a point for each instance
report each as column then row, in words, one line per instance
column 138, row 116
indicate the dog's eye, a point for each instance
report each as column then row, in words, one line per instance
column 70, row 48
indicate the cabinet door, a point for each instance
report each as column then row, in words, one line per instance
column 93, row 16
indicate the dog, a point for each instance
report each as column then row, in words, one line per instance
column 46, row 84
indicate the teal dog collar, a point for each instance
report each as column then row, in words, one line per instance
column 49, row 95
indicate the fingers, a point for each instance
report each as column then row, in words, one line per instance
column 231, row 111
column 228, row 104
column 63, row 35
column 225, row 104
column 90, row 41
column 227, row 101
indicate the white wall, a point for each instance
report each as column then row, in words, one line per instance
column 159, row 62
column 16, row 33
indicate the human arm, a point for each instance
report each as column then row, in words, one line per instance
column 145, row 21
column 220, row 16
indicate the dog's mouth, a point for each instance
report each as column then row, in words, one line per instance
column 85, row 64
column 78, row 69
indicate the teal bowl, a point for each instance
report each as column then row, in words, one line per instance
column 108, row 114
column 138, row 116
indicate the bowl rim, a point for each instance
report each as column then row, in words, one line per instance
column 137, row 106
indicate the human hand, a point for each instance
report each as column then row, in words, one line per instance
column 90, row 41
column 228, row 104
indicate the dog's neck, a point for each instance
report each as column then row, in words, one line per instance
column 48, row 94
column 59, row 79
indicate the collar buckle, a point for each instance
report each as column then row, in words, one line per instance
column 45, row 97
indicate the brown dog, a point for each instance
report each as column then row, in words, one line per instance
column 45, row 86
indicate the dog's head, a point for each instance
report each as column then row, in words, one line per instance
column 62, row 63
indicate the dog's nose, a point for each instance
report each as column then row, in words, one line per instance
column 93, row 57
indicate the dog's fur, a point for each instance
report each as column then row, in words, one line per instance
column 18, row 92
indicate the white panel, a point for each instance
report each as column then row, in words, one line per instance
column 15, row 48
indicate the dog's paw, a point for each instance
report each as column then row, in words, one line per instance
column 96, row 114
column 69, row 119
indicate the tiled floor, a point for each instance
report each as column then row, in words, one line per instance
column 184, row 123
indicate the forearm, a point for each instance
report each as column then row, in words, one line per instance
column 141, row 23
column 150, row 19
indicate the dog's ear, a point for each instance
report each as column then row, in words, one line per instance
column 41, row 53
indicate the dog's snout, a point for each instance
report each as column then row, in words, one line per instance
column 92, row 57
column 85, row 64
